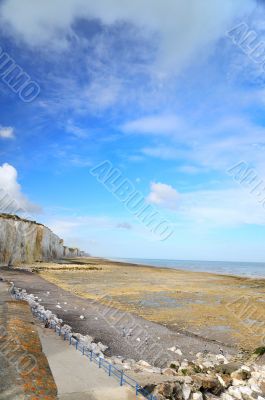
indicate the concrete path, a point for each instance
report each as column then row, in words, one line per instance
column 75, row 376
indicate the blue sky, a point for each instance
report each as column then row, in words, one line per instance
column 161, row 92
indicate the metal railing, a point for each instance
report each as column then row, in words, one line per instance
column 109, row 368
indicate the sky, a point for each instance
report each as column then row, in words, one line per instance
column 169, row 95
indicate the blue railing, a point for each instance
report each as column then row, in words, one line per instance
column 109, row 368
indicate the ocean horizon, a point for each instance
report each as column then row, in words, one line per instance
column 247, row 269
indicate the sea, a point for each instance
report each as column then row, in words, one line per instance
column 248, row 269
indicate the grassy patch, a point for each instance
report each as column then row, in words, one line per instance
column 260, row 351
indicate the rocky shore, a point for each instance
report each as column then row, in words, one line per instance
column 148, row 340
column 207, row 376
column 168, row 361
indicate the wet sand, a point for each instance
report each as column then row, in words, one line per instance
column 189, row 310
column 149, row 340
column 228, row 309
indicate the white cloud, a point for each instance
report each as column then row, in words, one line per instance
column 7, row 132
column 103, row 93
column 163, row 195
column 75, row 130
column 77, row 161
column 64, row 226
column 230, row 207
column 213, row 146
column 154, row 125
column 82, row 231
column 183, row 27
column 190, row 169
column 16, row 199
column 98, row 92
column 124, row 225
column 163, row 152
column 227, row 208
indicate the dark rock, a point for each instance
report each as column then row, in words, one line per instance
column 241, row 375
column 169, row 391
column 228, row 368
column 207, row 383
column 210, row 396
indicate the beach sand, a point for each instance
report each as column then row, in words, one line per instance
column 189, row 310
column 229, row 309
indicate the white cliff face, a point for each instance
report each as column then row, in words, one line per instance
column 23, row 241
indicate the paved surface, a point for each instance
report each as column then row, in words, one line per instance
column 24, row 370
column 10, row 384
column 76, row 377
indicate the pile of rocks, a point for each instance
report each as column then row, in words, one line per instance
column 212, row 377
column 132, row 365
column 52, row 320
column 208, row 377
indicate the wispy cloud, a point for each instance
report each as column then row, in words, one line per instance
column 64, row 226
column 124, row 225
column 75, row 130
column 179, row 31
column 72, row 224
column 228, row 207
column 7, row 132
column 212, row 146
column 163, row 152
column 154, row 125
column 190, row 169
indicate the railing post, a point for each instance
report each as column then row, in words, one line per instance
column 100, row 359
column 121, row 381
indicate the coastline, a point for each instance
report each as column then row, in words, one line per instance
column 205, row 375
column 159, row 263
column 105, row 323
column 155, row 355
column 213, row 307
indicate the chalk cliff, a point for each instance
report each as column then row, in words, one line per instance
column 24, row 241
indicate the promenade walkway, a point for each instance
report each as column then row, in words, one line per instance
column 76, row 377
